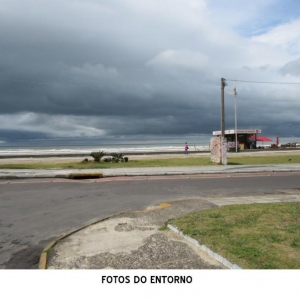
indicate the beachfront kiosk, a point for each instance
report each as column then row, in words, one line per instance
column 246, row 138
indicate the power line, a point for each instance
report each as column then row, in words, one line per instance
column 268, row 82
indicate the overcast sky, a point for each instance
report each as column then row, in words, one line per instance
column 90, row 68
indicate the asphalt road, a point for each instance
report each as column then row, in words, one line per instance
column 34, row 212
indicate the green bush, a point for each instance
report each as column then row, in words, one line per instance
column 98, row 155
column 107, row 159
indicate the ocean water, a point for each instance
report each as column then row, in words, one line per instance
column 137, row 145
column 118, row 144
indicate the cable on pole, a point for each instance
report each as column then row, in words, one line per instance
column 268, row 82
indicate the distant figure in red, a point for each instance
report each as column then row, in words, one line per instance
column 186, row 148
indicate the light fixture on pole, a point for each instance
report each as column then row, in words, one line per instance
column 235, row 117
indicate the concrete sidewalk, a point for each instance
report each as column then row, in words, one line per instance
column 215, row 169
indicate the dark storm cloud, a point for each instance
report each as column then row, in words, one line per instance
column 79, row 68
column 20, row 135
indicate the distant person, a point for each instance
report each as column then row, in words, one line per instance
column 186, row 148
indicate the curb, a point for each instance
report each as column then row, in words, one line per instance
column 9, row 177
column 170, row 173
column 44, row 254
column 67, row 176
column 211, row 253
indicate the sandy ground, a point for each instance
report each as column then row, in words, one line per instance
column 146, row 156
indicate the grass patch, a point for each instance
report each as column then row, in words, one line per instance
column 263, row 160
column 163, row 228
column 144, row 163
column 255, row 236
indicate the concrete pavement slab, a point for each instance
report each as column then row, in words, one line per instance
column 133, row 241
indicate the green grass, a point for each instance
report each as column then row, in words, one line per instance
column 163, row 228
column 168, row 162
column 255, row 236
column 264, row 160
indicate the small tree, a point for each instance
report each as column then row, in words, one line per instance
column 98, row 155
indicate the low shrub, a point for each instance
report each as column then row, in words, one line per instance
column 107, row 159
column 98, row 155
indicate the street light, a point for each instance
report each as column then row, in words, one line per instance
column 235, row 117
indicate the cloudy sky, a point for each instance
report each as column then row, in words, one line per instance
column 100, row 68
